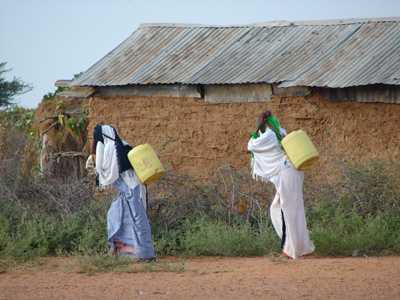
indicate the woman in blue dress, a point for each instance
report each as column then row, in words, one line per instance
column 128, row 228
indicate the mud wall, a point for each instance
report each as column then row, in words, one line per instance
column 46, row 115
column 63, row 151
column 195, row 137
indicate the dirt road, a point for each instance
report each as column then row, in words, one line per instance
column 215, row 278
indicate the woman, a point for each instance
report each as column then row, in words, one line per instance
column 129, row 232
column 269, row 163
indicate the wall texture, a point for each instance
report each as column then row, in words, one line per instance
column 195, row 137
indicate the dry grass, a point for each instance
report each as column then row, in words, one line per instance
column 102, row 264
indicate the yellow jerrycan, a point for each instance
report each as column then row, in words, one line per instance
column 146, row 164
column 300, row 149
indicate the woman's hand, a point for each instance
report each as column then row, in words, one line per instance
column 90, row 162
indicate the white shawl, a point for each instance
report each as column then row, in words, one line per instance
column 107, row 161
column 106, row 158
column 268, row 156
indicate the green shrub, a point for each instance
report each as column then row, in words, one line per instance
column 340, row 232
column 93, row 238
column 371, row 188
column 44, row 234
column 4, row 230
column 206, row 237
column 31, row 240
column 360, row 215
column 169, row 242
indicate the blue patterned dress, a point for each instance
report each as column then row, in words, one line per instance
column 127, row 221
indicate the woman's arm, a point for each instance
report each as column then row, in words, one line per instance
column 265, row 142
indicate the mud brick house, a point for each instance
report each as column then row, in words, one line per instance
column 193, row 91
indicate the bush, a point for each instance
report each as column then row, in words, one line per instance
column 42, row 234
column 230, row 197
column 372, row 188
column 93, row 235
column 206, row 237
column 354, row 236
column 4, row 230
column 360, row 215
column 369, row 189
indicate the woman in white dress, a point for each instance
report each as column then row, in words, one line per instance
column 270, row 164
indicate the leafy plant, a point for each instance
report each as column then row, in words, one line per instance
column 10, row 89
column 77, row 125
column 51, row 95
column 41, row 219
column 19, row 118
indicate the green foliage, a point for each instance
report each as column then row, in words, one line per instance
column 334, row 231
column 19, row 118
column 339, row 232
column 371, row 188
column 169, row 242
column 93, row 237
column 339, row 224
column 360, row 215
column 51, row 95
column 22, row 141
column 43, row 234
column 77, row 125
column 206, row 237
column 10, row 89
column 4, row 230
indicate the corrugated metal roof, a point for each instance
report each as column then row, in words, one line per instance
column 339, row 53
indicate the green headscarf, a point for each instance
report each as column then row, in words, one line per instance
column 275, row 126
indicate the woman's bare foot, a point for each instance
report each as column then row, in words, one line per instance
column 284, row 254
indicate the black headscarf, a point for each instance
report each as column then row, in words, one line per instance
column 121, row 147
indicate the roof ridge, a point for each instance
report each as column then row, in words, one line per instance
column 279, row 23
column 189, row 25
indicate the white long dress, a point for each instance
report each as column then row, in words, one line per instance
column 270, row 163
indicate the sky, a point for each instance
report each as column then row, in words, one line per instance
column 46, row 40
